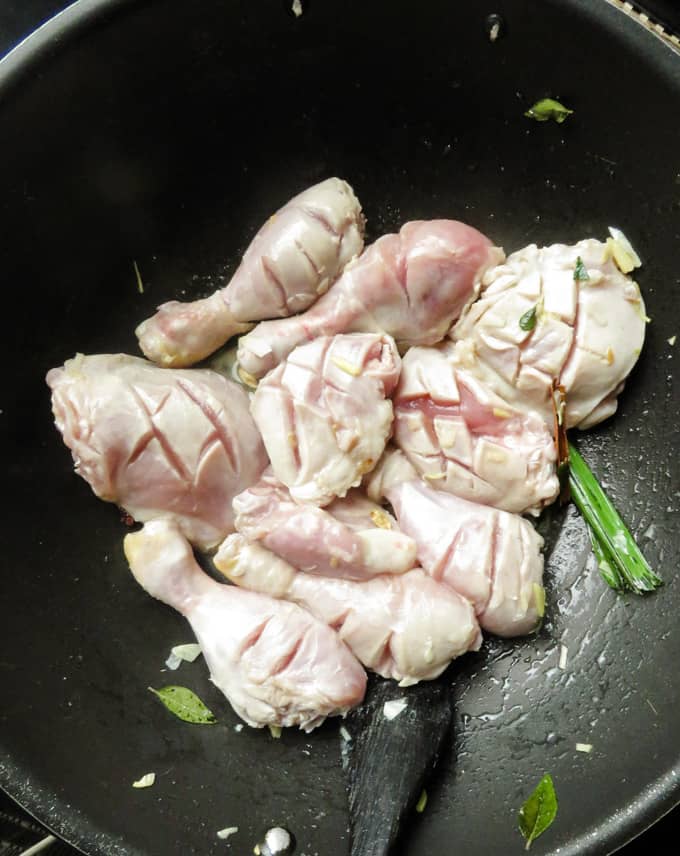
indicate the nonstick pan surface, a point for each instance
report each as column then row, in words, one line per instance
column 163, row 134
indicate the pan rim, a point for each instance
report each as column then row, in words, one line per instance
column 657, row 800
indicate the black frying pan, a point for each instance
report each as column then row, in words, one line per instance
column 164, row 133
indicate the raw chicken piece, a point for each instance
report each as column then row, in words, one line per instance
column 292, row 260
column 159, row 442
column 587, row 335
column 392, row 469
column 352, row 538
column 325, row 415
column 412, row 285
column 405, row 627
column 490, row 557
column 275, row 663
column 464, row 439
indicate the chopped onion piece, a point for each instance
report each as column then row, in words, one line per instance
column 622, row 250
column 182, row 653
column 672, row 340
column 344, row 733
column 227, row 831
column 275, row 731
column 564, row 651
column 392, row 709
column 584, row 747
column 145, row 782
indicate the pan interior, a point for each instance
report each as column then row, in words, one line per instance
column 163, row 135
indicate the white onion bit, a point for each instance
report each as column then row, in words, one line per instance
column 392, row 709
column 227, row 831
column 146, row 781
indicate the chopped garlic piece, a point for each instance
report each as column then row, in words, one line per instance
column 584, row 747
column 434, row 476
column 392, row 709
column 247, row 378
column 672, row 340
column 344, row 366
column 366, row 465
column 344, row 733
column 297, row 11
column 497, row 456
column 275, row 731
column 622, row 250
column 539, row 598
column 227, row 831
column 145, row 782
column 381, row 518
column 499, row 413
column 564, row 652
column 610, row 357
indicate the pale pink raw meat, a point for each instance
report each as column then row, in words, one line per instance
column 292, row 260
column 352, row 538
column 464, row 439
column 325, row 414
column 392, row 469
column 405, row 627
column 275, row 662
column 411, row 285
column 159, row 442
column 490, row 557
column 586, row 337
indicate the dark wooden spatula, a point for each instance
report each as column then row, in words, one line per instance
column 388, row 761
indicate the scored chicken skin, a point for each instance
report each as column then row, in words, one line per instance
column 159, row 442
column 405, row 627
column 587, row 333
column 292, row 260
column 464, row 439
column 490, row 557
column 352, row 538
column 325, row 414
column 275, row 662
column 411, row 285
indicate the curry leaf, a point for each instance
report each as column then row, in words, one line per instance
column 528, row 321
column 580, row 272
column 185, row 705
column 539, row 811
column 548, row 108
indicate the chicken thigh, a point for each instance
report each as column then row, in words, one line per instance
column 159, row 442
column 292, row 260
column 464, row 439
column 490, row 557
column 275, row 663
column 325, row 414
column 411, row 285
column 559, row 314
column 352, row 538
column 405, row 627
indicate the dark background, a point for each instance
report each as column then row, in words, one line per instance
column 17, row 831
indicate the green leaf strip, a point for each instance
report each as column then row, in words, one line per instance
column 621, row 562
